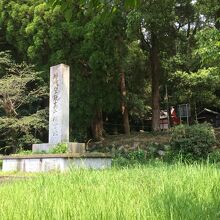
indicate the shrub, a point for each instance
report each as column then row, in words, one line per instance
column 130, row 158
column 214, row 157
column 59, row 149
column 24, row 152
column 193, row 142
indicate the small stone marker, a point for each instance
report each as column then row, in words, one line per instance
column 59, row 111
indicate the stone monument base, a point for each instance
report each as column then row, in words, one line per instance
column 55, row 162
column 73, row 147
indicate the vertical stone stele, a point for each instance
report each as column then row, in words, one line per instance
column 59, row 111
column 59, row 104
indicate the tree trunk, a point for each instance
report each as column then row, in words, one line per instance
column 155, row 72
column 124, row 108
column 8, row 106
column 97, row 125
column 217, row 17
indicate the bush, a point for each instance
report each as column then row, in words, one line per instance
column 214, row 157
column 193, row 142
column 60, row 148
column 24, row 152
column 130, row 158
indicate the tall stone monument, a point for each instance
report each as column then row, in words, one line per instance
column 59, row 112
column 59, row 104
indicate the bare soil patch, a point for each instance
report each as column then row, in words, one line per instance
column 10, row 178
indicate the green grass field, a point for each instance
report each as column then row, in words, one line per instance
column 147, row 192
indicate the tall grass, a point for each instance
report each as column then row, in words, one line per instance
column 147, row 192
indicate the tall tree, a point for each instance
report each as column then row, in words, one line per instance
column 22, row 104
column 153, row 23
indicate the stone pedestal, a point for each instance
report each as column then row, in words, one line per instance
column 54, row 162
column 73, row 147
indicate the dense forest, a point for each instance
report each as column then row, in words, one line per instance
column 128, row 59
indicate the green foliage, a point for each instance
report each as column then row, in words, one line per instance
column 24, row 152
column 60, row 148
column 92, row 6
column 99, row 40
column 192, row 71
column 199, row 87
column 130, row 158
column 193, row 142
column 214, row 156
column 139, row 155
column 5, row 62
column 208, row 41
column 23, row 118
column 138, row 98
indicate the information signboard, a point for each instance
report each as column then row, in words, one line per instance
column 184, row 111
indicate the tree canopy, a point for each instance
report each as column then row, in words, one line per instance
column 123, row 55
column 23, row 94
